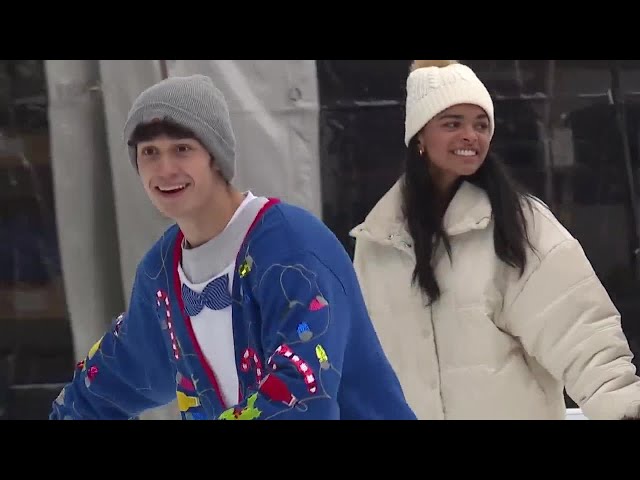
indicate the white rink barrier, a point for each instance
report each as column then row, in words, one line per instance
column 575, row 414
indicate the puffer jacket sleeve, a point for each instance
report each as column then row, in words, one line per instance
column 565, row 318
column 360, row 260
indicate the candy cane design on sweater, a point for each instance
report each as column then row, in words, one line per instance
column 303, row 367
column 249, row 356
column 163, row 300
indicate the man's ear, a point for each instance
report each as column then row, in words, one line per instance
column 214, row 165
column 216, row 169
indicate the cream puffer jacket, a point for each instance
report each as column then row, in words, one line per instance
column 495, row 345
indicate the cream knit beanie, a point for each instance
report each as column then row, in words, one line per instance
column 434, row 86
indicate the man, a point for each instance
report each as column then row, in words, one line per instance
column 246, row 308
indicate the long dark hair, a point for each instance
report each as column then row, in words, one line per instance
column 424, row 217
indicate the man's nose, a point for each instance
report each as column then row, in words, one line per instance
column 167, row 164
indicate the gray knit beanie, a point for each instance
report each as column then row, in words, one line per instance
column 192, row 102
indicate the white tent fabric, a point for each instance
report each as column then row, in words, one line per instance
column 274, row 108
column 83, row 200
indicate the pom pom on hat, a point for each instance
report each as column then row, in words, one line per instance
column 434, row 86
column 431, row 63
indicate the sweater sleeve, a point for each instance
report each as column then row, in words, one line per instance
column 305, row 322
column 566, row 320
column 126, row 372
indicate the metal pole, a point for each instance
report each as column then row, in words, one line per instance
column 617, row 100
column 164, row 71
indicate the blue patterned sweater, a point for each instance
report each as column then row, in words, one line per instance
column 304, row 344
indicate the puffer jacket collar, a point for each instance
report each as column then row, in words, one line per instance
column 469, row 209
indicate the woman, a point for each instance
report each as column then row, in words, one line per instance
column 484, row 302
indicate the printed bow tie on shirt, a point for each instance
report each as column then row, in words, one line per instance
column 215, row 296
